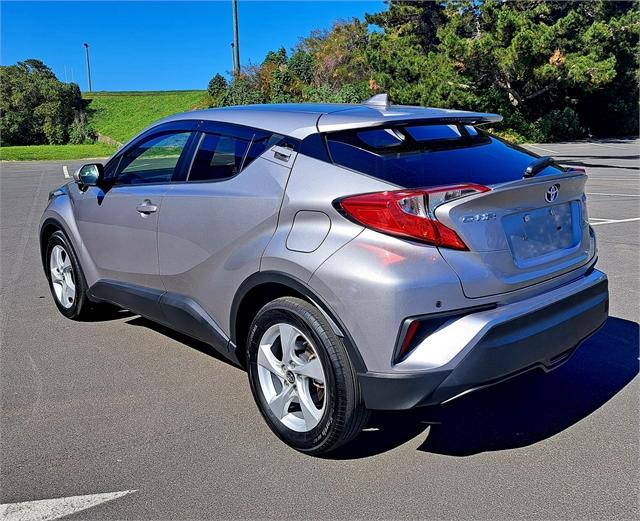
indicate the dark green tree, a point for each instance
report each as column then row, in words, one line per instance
column 553, row 69
column 37, row 108
column 217, row 85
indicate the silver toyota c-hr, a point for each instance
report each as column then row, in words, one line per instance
column 350, row 257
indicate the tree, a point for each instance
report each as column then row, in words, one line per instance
column 217, row 85
column 37, row 108
column 553, row 69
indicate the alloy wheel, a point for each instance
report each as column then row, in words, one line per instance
column 62, row 278
column 292, row 379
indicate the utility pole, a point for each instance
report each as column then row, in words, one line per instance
column 233, row 58
column 236, row 43
column 86, row 48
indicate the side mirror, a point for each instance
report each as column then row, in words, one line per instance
column 89, row 175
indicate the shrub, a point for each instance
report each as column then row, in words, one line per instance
column 243, row 91
column 80, row 131
column 559, row 125
column 217, row 86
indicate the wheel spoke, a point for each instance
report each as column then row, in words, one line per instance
column 68, row 279
column 310, row 413
column 68, row 293
column 311, row 369
column 288, row 335
column 268, row 360
column 58, row 258
column 279, row 404
column 56, row 276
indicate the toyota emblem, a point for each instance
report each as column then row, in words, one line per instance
column 552, row 193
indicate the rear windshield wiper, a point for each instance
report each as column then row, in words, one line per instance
column 538, row 165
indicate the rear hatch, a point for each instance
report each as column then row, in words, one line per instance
column 521, row 232
column 518, row 234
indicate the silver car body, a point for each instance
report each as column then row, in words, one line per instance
column 210, row 245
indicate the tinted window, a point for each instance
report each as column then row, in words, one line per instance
column 431, row 132
column 385, row 137
column 218, row 157
column 222, row 156
column 469, row 158
column 262, row 144
column 153, row 161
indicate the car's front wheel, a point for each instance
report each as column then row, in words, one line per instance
column 66, row 280
column 301, row 377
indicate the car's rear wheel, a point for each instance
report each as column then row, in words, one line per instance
column 301, row 377
column 66, row 280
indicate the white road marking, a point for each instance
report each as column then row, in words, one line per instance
column 47, row 509
column 597, row 177
column 611, row 146
column 541, row 148
column 615, row 221
column 65, row 172
column 612, row 195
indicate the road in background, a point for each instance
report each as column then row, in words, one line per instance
column 147, row 424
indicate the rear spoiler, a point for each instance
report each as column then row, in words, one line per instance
column 539, row 164
column 344, row 120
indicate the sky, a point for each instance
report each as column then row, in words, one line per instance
column 158, row 45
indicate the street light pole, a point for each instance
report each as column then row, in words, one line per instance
column 236, row 44
column 86, row 48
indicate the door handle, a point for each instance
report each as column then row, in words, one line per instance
column 146, row 208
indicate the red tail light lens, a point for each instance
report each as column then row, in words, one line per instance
column 409, row 213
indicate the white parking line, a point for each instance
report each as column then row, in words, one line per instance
column 599, row 178
column 612, row 195
column 622, row 147
column 615, row 221
column 65, row 172
column 541, row 148
column 47, row 509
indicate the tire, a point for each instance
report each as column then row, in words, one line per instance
column 72, row 302
column 326, row 409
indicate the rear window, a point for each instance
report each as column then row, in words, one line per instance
column 430, row 155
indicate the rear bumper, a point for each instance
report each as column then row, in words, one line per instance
column 498, row 344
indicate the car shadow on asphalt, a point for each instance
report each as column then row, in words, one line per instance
column 578, row 161
column 107, row 313
column 179, row 337
column 516, row 413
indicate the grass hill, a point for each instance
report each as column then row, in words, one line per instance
column 117, row 115
column 121, row 115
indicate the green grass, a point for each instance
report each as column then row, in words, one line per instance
column 121, row 115
column 49, row 152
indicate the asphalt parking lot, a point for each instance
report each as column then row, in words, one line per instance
column 151, row 425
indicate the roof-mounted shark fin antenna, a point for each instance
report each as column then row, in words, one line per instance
column 378, row 101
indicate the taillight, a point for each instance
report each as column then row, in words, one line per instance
column 409, row 213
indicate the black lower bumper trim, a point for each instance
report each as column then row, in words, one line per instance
column 544, row 338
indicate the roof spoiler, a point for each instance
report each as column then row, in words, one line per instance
column 381, row 102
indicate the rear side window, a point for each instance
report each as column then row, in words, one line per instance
column 260, row 145
column 430, row 155
column 222, row 156
column 218, row 157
